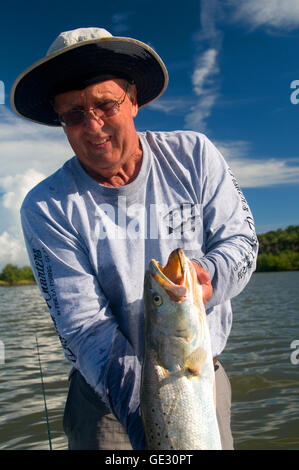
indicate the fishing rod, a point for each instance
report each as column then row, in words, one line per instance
column 44, row 394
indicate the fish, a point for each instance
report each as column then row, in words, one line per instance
column 177, row 392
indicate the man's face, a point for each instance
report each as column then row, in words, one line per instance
column 103, row 145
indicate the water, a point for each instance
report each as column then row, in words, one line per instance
column 23, row 314
column 265, row 410
column 265, row 383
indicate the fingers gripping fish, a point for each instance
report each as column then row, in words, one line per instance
column 177, row 390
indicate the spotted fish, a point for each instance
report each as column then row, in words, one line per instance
column 177, row 395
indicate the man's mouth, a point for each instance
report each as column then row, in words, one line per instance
column 100, row 142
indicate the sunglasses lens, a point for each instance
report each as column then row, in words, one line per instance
column 108, row 108
column 73, row 117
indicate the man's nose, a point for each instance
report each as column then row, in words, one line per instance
column 91, row 120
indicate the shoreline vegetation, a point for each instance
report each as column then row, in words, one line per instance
column 12, row 275
column 17, row 283
column 278, row 251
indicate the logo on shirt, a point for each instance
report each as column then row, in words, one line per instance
column 181, row 219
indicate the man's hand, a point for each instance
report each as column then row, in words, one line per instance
column 205, row 281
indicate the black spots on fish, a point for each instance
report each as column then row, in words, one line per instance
column 167, row 437
column 157, row 433
column 158, row 427
column 154, row 434
column 168, row 421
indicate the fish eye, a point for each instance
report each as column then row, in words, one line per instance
column 157, row 299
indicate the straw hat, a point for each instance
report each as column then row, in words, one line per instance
column 79, row 58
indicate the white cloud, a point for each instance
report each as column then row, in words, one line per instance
column 28, row 153
column 205, row 88
column 199, row 113
column 205, row 70
column 262, row 173
column 25, row 145
column 12, row 250
column 208, row 43
column 282, row 14
column 210, row 12
column 250, row 171
column 171, row 105
column 16, row 187
column 258, row 172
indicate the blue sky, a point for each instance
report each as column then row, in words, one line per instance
column 231, row 64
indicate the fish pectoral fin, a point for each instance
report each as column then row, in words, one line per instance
column 195, row 360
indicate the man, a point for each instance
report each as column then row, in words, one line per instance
column 126, row 197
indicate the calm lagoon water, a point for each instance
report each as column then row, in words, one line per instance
column 265, row 383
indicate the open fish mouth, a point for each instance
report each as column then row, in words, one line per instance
column 173, row 277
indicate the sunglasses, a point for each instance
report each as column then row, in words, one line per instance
column 75, row 117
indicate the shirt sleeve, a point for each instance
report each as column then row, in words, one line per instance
column 88, row 331
column 230, row 243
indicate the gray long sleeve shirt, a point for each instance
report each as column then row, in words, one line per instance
column 89, row 246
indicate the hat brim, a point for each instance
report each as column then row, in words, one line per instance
column 71, row 67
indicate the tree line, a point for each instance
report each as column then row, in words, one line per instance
column 278, row 251
column 12, row 274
